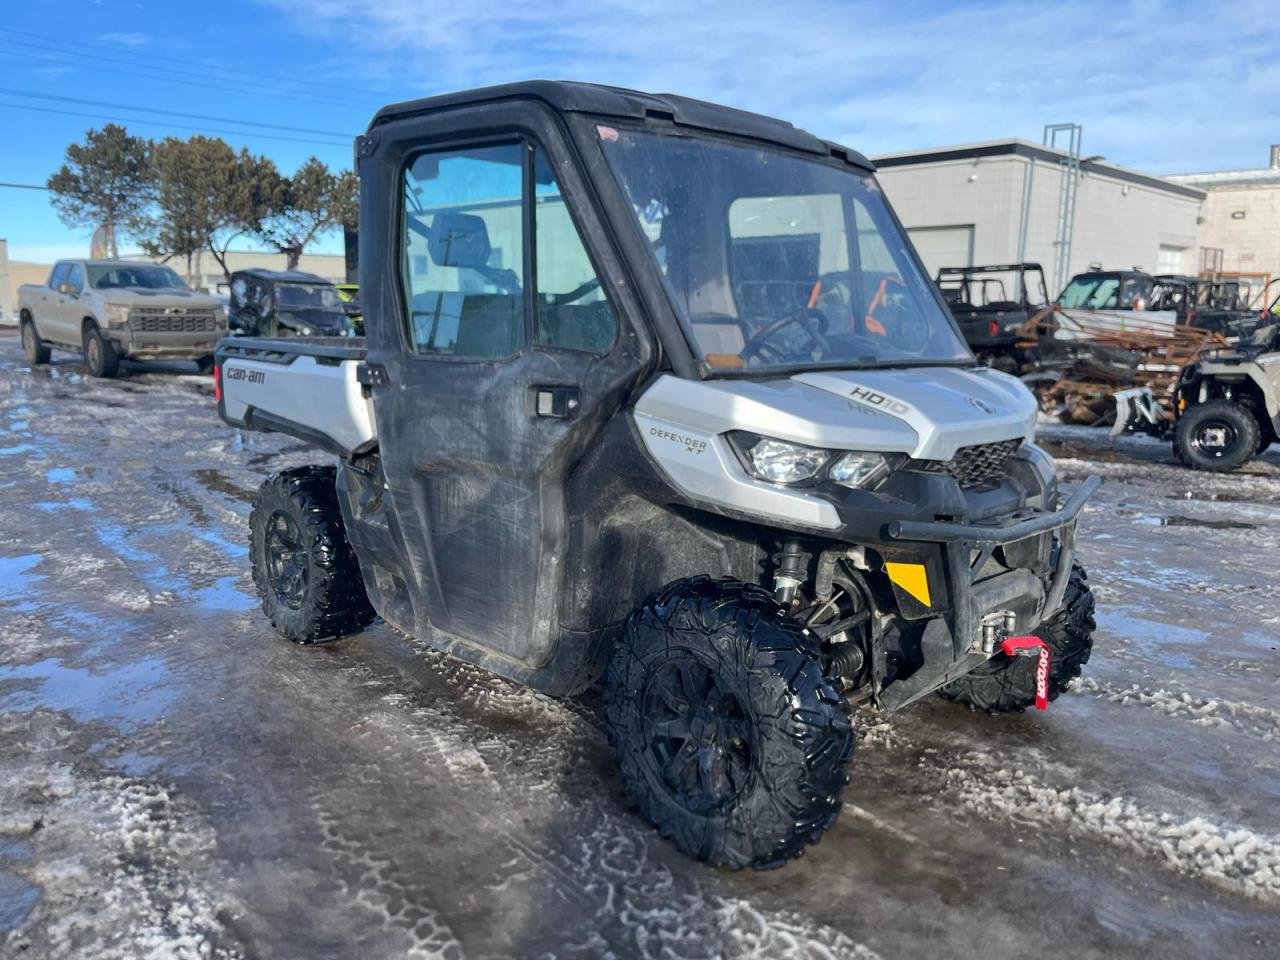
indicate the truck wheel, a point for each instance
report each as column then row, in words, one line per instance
column 728, row 735
column 305, row 571
column 1217, row 435
column 99, row 355
column 36, row 350
column 1009, row 683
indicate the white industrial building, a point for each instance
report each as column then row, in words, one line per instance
column 1004, row 201
column 1240, row 220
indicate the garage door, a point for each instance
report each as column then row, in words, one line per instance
column 943, row 246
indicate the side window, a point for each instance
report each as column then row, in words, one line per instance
column 462, row 253
column 572, row 312
column 59, row 275
column 76, row 278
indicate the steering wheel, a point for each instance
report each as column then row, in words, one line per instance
column 577, row 293
column 812, row 321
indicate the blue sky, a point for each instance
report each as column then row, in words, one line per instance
column 1165, row 87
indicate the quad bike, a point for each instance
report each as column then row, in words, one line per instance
column 1225, row 409
column 606, row 425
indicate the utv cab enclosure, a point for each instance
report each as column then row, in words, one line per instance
column 287, row 303
column 993, row 305
column 658, row 391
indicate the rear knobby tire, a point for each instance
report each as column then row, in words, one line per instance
column 36, row 350
column 305, row 570
column 1005, row 683
column 99, row 355
column 729, row 736
column 1217, row 435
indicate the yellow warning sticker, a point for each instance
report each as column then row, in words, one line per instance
column 912, row 578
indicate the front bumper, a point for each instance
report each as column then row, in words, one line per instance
column 140, row 345
column 955, row 641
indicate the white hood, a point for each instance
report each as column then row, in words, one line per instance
column 927, row 412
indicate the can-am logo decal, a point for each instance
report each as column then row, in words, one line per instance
column 242, row 373
column 871, row 398
column 691, row 444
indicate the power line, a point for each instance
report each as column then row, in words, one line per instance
column 171, row 126
column 171, row 113
column 23, row 186
column 66, row 57
column 123, row 56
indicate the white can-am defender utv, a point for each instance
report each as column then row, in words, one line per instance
column 658, row 390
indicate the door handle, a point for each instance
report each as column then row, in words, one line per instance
column 558, row 403
column 370, row 375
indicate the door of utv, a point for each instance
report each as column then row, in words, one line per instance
column 504, row 356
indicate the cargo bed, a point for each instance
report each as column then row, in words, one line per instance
column 308, row 387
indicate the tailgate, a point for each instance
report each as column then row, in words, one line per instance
column 307, row 388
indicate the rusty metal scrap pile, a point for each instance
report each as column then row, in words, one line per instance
column 1095, row 352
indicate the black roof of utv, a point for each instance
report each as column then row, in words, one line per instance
column 572, row 97
column 283, row 276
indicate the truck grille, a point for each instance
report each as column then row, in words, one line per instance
column 168, row 320
column 976, row 465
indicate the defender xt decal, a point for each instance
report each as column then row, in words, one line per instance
column 691, row 444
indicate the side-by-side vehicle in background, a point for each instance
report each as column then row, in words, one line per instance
column 658, row 391
column 993, row 305
column 106, row 310
column 287, row 303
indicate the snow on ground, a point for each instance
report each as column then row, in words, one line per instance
column 175, row 781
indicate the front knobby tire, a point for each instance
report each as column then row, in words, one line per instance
column 729, row 736
column 1217, row 435
column 305, row 571
column 1008, row 684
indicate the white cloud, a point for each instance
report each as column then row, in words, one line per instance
column 133, row 39
column 1157, row 85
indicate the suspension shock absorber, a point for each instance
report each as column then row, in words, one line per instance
column 789, row 572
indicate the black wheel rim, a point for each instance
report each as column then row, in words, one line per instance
column 1214, row 439
column 287, row 571
column 699, row 735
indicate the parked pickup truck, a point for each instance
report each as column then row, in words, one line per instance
column 108, row 309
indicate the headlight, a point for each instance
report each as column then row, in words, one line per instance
column 781, row 462
column 859, row 470
column 117, row 315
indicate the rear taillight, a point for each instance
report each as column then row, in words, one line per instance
column 995, row 328
column 217, row 384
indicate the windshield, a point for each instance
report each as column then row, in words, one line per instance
column 147, row 277
column 307, row 296
column 777, row 261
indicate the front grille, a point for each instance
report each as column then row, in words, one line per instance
column 977, row 465
column 167, row 320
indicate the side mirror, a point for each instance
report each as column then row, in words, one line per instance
column 67, row 290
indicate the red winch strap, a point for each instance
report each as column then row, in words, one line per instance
column 1014, row 647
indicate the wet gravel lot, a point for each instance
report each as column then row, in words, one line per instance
column 175, row 781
